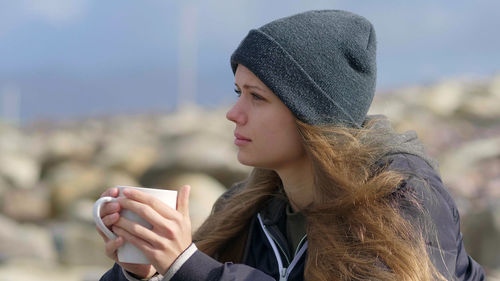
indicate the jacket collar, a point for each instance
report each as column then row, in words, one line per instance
column 275, row 208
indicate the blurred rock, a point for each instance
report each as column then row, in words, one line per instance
column 494, row 87
column 493, row 274
column 204, row 192
column 79, row 244
column 69, row 182
column 4, row 186
column 482, row 103
column 114, row 178
column 461, row 161
column 483, row 107
column 11, row 138
column 20, row 169
column 490, row 176
column 81, row 211
column 205, row 153
column 444, row 98
column 187, row 141
column 26, row 205
column 25, row 241
column 66, row 144
column 184, row 122
column 128, row 154
column 483, row 235
column 29, row 270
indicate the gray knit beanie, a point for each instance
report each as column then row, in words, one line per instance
column 321, row 64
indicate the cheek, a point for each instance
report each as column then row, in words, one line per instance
column 290, row 145
column 277, row 141
column 284, row 142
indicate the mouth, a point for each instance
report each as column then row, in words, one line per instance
column 240, row 137
column 241, row 140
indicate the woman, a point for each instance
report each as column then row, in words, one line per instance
column 334, row 194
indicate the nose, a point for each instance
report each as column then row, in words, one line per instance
column 237, row 113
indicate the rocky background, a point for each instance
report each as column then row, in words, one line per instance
column 52, row 172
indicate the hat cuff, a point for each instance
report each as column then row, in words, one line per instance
column 281, row 73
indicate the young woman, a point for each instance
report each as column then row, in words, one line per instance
column 334, row 194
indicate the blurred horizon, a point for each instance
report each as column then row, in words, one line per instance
column 71, row 59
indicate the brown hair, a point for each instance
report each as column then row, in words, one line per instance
column 354, row 227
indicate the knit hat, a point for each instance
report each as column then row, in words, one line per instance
column 321, row 64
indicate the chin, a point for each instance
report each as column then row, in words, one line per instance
column 253, row 163
column 245, row 161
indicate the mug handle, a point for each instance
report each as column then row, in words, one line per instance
column 97, row 216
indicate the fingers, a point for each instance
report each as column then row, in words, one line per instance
column 146, row 199
column 108, row 222
column 113, row 192
column 183, row 200
column 109, row 212
column 144, row 246
column 109, row 208
column 112, row 245
column 171, row 231
column 139, row 231
column 110, row 219
column 142, row 210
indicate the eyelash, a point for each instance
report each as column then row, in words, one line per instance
column 254, row 96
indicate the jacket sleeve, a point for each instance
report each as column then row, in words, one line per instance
column 114, row 274
column 200, row 267
column 443, row 236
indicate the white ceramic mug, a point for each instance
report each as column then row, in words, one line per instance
column 128, row 253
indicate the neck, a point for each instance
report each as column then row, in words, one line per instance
column 298, row 183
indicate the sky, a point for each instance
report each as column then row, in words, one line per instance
column 67, row 59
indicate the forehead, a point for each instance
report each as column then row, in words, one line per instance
column 245, row 76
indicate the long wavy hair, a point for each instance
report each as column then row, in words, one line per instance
column 355, row 230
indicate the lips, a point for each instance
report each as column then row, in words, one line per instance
column 241, row 137
column 241, row 140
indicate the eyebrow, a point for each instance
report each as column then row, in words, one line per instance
column 250, row 87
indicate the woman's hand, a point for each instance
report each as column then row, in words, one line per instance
column 110, row 214
column 171, row 232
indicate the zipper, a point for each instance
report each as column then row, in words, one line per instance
column 296, row 258
column 299, row 246
column 279, row 245
column 283, row 271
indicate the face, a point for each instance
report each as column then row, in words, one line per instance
column 265, row 133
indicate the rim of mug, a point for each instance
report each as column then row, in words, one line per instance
column 143, row 188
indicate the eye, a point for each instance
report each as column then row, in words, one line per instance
column 257, row 97
column 238, row 92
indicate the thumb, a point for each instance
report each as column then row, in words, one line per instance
column 183, row 200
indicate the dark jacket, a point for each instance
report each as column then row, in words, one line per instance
column 267, row 256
